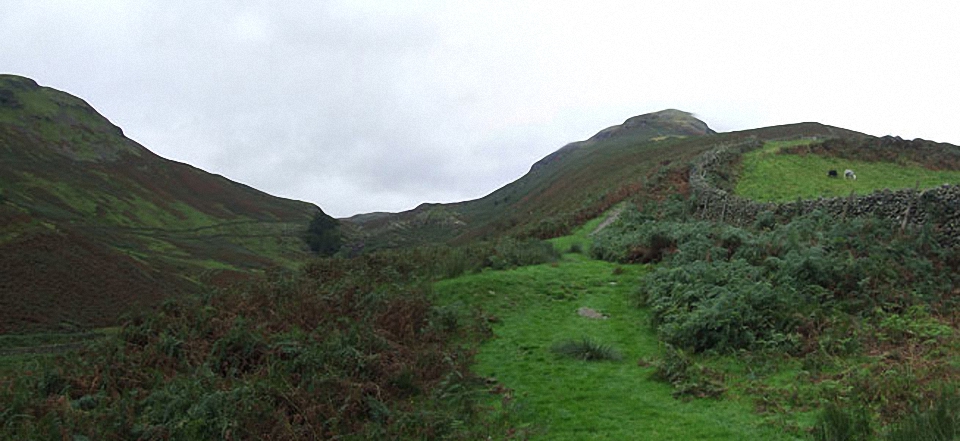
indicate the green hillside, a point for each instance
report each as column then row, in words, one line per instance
column 648, row 154
column 639, row 318
column 94, row 223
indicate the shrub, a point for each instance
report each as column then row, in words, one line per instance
column 333, row 351
column 687, row 377
column 52, row 382
column 915, row 324
column 510, row 253
column 722, row 307
column 586, row 349
column 765, row 221
column 240, row 351
column 722, row 288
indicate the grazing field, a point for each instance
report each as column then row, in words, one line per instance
column 535, row 308
column 769, row 175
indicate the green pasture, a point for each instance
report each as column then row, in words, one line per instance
column 770, row 176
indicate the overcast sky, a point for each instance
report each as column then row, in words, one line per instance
column 363, row 106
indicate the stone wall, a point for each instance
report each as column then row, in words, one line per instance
column 939, row 206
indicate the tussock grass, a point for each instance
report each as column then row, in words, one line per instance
column 939, row 423
column 586, row 349
column 839, row 424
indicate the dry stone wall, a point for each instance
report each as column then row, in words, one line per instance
column 938, row 206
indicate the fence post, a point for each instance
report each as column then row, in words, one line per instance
column 846, row 207
column 906, row 213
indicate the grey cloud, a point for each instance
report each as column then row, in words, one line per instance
column 367, row 105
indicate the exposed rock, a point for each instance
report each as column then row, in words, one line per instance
column 591, row 313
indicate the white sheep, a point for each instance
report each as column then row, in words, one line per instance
column 849, row 174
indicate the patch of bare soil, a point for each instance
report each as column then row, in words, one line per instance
column 611, row 218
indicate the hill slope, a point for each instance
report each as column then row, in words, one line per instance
column 94, row 223
column 646, row 154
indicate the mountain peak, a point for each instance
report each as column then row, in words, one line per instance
column 669, row 122
column 653, row 126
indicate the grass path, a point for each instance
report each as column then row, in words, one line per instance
column 610, row 218
column 574, row 400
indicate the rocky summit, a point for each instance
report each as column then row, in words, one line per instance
column 665, row 123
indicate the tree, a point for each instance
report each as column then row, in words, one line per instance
column 323, row 235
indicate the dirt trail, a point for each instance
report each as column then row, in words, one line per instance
column 611, row 218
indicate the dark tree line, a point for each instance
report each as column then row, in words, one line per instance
column 323, row 235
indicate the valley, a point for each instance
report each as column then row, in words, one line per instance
column 736, row 292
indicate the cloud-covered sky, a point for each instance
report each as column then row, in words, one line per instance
column 363, row 106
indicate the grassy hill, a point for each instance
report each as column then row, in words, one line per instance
column 809, row 327
column 648, row 154
column 784, row 329
column 94, row 224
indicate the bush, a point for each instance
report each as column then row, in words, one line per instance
column 722, row 288
column 240, row 351
column 687, row 377
column 509, row 253
column 722, row 307
column 335, row 350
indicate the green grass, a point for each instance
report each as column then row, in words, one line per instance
column 580, row 237
column 535, row 308
column 772, row 177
